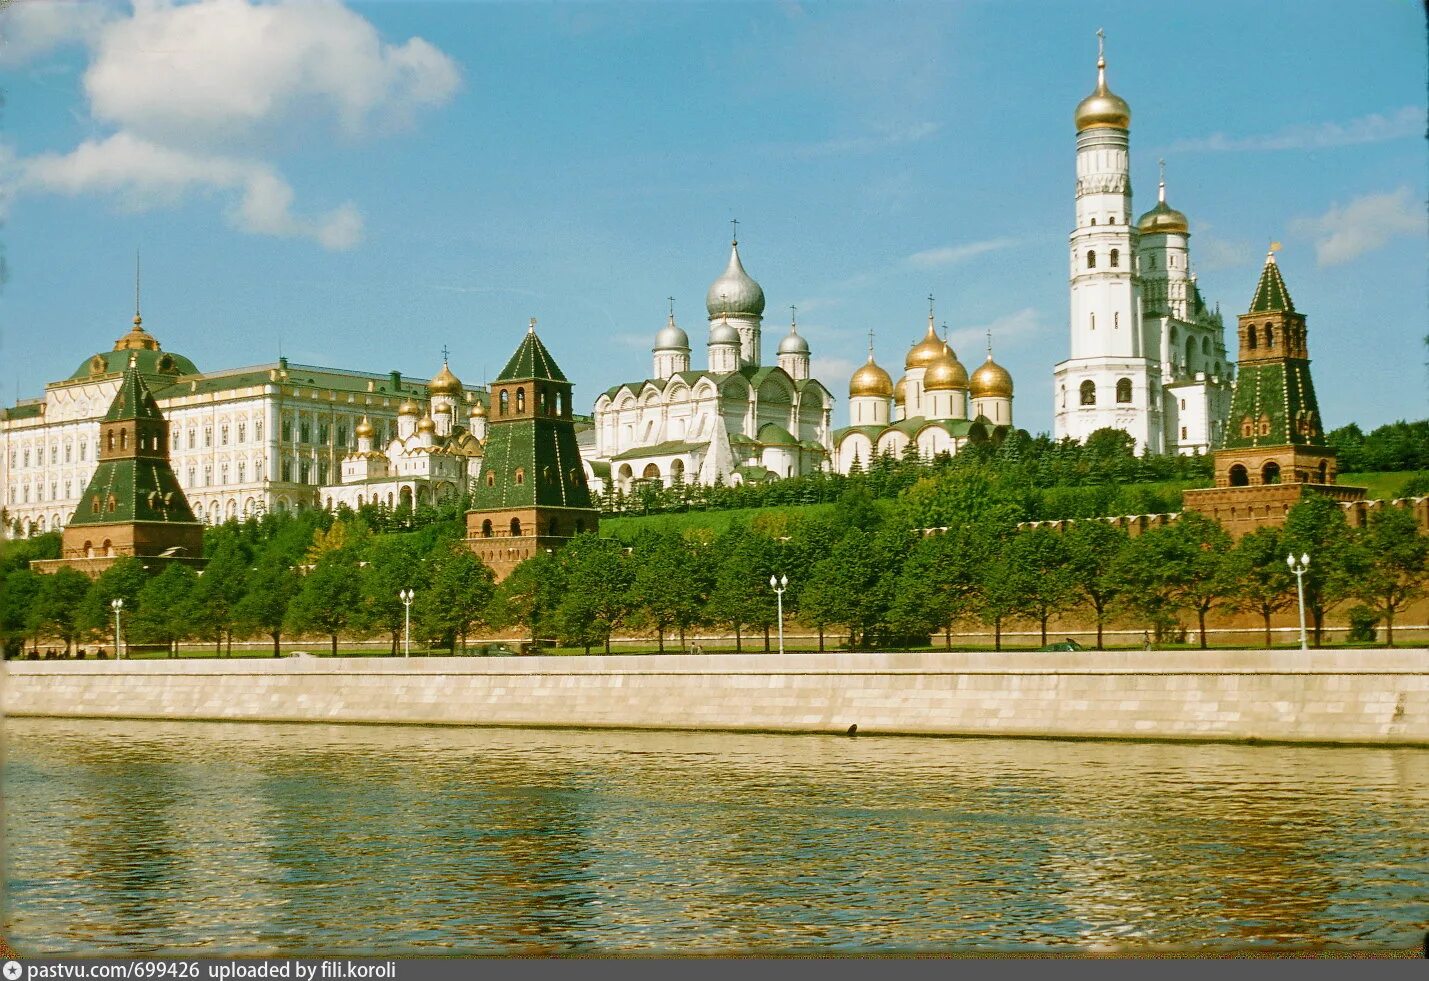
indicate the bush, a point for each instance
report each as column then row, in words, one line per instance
column 1363, row 620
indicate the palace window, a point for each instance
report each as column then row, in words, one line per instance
column 191, row 477
column 208, row 475
column 54, row 455
column 223, row 473
column 242, row 466
column 223, row 435
column 1091, row 259
column 1123, row 390
column 1183, row 432
column 191, row 439
column 1089, row 393
column 287, row 429
column 1269, row 336
column 304, row 471
column 69, row 489
column 69, row 451
column 342, row 434
column 242, row 432
column 258, row 430
column 323, row 433
column 305, row 431
column 27, row 457
column 207, row 436
column 83, row 447
column 288, row 470
column 174, row 440
column 1115, row 258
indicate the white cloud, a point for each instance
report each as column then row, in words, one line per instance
column 198, row 95
column 234, row 70
column 1374, row 128
column 1365, row 224
column 146, row 175
column 32, row 28
column 882, row 139
column 1026, row 322
column 1213, row 253
column 953, row 254
column 831, row 368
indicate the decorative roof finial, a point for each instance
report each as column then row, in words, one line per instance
column 133, row 359
column 1161, row 190
column 531, row 329
column 870, row 345
column 137, row 318
column 793, row 319
column 1101, row 54
column 444, row 354
column 989, row 344
column 1274, row 248
column 672, row 308
column 734, row 224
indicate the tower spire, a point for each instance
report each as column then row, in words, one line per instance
column 734, row 235
column 137, row 318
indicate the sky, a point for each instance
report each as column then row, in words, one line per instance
column 359, row 185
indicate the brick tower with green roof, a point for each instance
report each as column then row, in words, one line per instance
column 532, row 493
column 1275, row 451
column 133, row 505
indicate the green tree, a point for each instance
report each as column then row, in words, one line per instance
column 221, row 585
column 263, row 608
column 1039, row 562
column 597, row 598
column 667, row 590
column 19, row 588
column 1093, row 551
column 999, row 595
column 458, row 594
column 853, row 587
column 740, row 595
column 56, row 606
column 1395, row 569
column 165, row 607
column 937, row 586
column 1260, row 581
column 393, row 564
column 329, row 598
column 1178, row 567
column 530, row 596
column 122, row 580
column 1316, row 527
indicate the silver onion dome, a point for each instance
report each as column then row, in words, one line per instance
column 723, row 333
column 793, row 343
column 735, row 293
column 672, row 337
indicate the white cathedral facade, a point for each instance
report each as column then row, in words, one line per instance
column 735, row 420
column 1147, row 356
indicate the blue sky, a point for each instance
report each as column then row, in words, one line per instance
column 362, row 184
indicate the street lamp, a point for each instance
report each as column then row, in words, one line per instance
column 779, row 585
column 1299, row 571
column 116, row 605
column 406, row 596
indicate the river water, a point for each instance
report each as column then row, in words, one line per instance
column 215, row 838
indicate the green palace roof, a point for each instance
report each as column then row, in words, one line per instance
column 153, row 363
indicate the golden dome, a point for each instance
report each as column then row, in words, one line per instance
column 478, row 411
column 1163, row 218
column 408, row 408
column 138, row 339
column 900, row 391
column 364, row 429
column 926, row 351
column 1103, row 107
column 427, row 425
column 991, row 381
column 444, row 383
column 870, row 379
column 945, row 374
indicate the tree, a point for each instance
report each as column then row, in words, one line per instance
column 458, row 594
column 1093, row 550
column 1395, row 565
column 597, row 598
column 666, row 590
column 57, row 603
column 393, row 564
column 122, row 580
column 18, row 590
column 740, row 595
column 1316, row 527
column 263, row 608
column 329, row 597
column 530, row 596
column 1260, row 581
column 1175, row 567
column 854, row 586
column 937, row 586
column 165, row 607
column 221, row 586
column 1039, row 562
column 999, row 592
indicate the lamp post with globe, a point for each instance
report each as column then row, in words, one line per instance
column 779, row 584
column 1300, row 569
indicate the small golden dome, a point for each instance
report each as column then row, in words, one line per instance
column 1103, row 107
column 945, row 374
column 427, row 425
column 926, row 351
column 364, row 429
column 444, row 383
column 408, row 408
column 900, row 391
column 991, row 381
column 870, row 379
column 478, row 411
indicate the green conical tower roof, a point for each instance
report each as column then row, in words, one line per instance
column 1271, row 296
column 531, row 360
column 133, row 400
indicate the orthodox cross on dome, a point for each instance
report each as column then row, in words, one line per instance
column 793, row 320
column 870, row 344
column 989, row 343
column 734, row 224
column 672, row 308
column 930, row 306
column 444, row 354
column 1101, row 43
column 1161, row 190
column 136, row 286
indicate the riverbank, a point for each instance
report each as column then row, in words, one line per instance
column 1374, row 697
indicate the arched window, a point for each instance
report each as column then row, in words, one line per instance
column 1094, row 221
column 1091, row 259
column 486, row 528
column 1265, row 425
column 1270, row 473
column 520, row 400
column 491, row 480
column 1115, row 258
column 1239, row 476
column 1250, row 338
column 515, row 527
column 1153, row 260
column 1206, row 346
column 1089, row 393
column 541, row 401
column 551, row 527
column 109, row 440
column 520, row 475
column 1123, row 390
column 1190, row 350
column 504, row 402
column 1324, row 471
column 1269, row 336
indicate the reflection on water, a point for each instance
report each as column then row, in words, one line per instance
column 233, row 838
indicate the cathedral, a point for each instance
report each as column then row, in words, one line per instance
column 1147, row 355
column 735, row 420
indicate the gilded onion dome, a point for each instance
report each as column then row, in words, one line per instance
column 445, row 383
column 427, row 425
column 900, row 391
column 478, row 411
column 870, row 379
column 735, row 293
column 945, row 374
column 991, row 381
column 408, row 408
column 1163, row 218
column 672, row 337
column 1103, row 107
column 723, row 333
column 926, row 351
column 364, row 429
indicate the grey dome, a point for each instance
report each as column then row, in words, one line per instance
column 723, row 333
column 793, row 343
column 672, row 338
column 735, row 293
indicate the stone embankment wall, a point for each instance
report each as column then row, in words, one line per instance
column 1359, row 696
